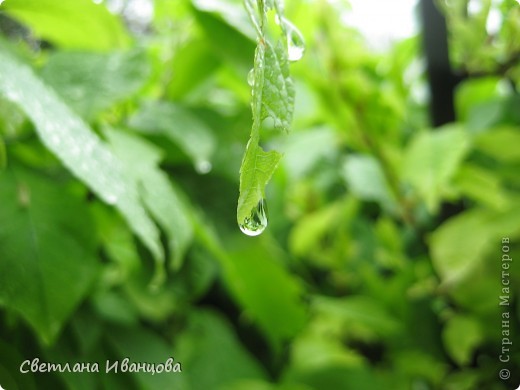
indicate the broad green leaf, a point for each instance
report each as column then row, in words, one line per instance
column 366, row 180
column 77, row 146
column 473, row 92
column 270, row 296
column 10, row 375
column 218, row 33
column 467, row 379
column 182, row 127
column 358, row 311
column 47, row 250
column 232, row 12
column 255, row 172
column 431, row 160
column 493, row 113
column 93, row 82
column 485, row 115
column 461, row 335
column 306, row 149
column 310, row 229
column 501, row 144
column 316, row 350
column 158, row 194
column 140, row 345
column 339, row 377
column 462, row 242
column 194, row 63
column 481, row 185
column 113, row 307
column 78, row 24
column 419, row 363
column 207, row 345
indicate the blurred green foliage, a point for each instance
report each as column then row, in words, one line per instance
column 121, row 140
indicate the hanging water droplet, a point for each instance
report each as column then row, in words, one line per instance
column 256, row 223
column 251, row 77
column 295, row 41
column 203, row 167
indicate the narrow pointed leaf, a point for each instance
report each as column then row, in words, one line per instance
column 278, row 90
column 256, row 171
column 160, row 197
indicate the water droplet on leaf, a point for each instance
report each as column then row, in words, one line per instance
column 251, row 77
column 203, row 167
column 111, row 199
column 256, row 223
column 295, row 41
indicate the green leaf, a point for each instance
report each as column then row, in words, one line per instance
column 306, row 149
column 481, row 185
column 273, row 96
column 182, row 127
column 207, row 336
column 473, row 92
column 461, row 335
column 366, row 180
column 194, row 63
column 218, row 33
column 501, row 144
column 339, row 377
column 270, row 296
column 232, row 12
column 278, row 89
column 431, row 160
column 310, row 229
column 47, row 250
column 93, row 82
column 460, row 244
column 79, row 24
column 358, row 311
column 255, row 172
column 159, row 196
column 140, row 345
column 498, row 111
column 74, row 143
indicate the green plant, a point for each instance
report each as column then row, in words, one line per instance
column 120, row 151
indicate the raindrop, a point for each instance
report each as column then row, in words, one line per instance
column 55, row 140
column 111, row 199
column 295, row 41
column 256, row 223
column 251, row 77
column 203, row 167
